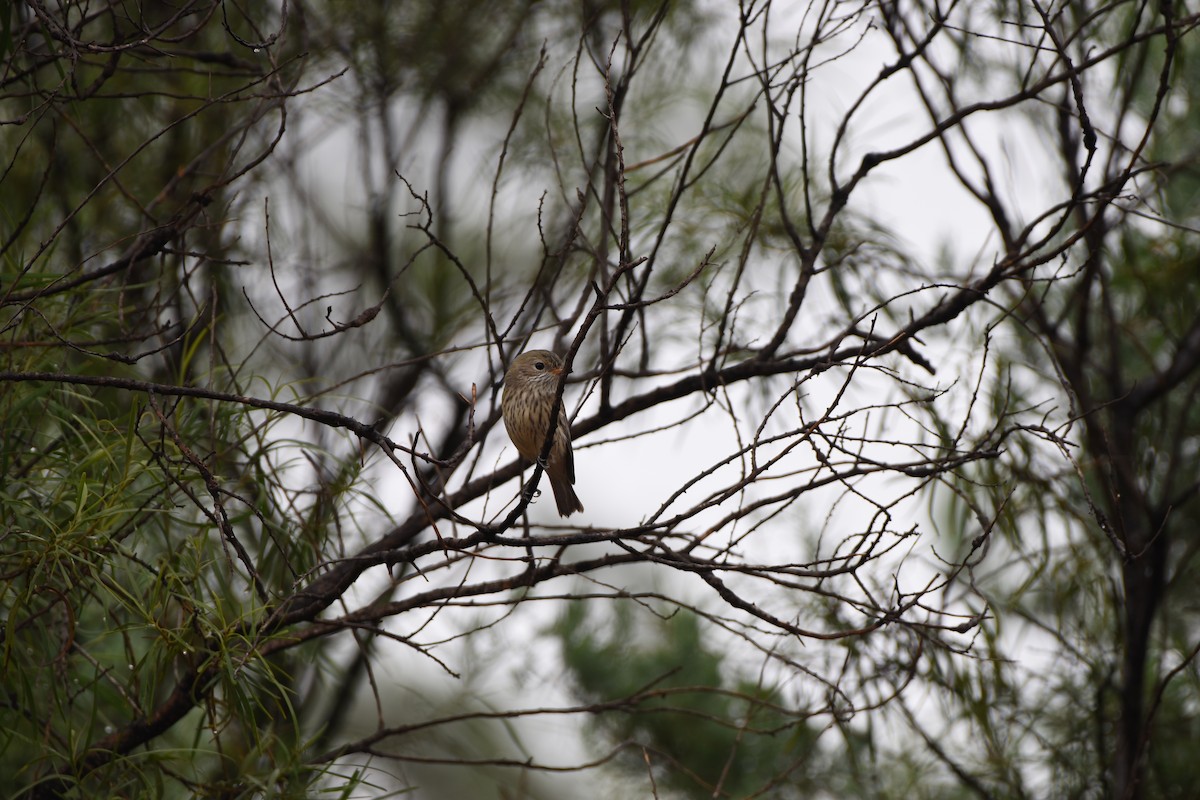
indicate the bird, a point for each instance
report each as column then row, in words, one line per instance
column 530, row 386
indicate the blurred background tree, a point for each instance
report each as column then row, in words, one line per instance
column 849, row 497
column 1099, row 660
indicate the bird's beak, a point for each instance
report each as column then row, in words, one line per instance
column 556, row 371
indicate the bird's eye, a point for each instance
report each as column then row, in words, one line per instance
column 539, row 365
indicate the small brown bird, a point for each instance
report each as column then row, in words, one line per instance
column 529, row 388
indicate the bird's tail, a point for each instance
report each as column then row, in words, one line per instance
column 564, row 495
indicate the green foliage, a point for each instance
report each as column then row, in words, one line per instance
column 116, row 583
column 697, row 725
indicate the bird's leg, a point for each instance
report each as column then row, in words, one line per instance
column 530, row 491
